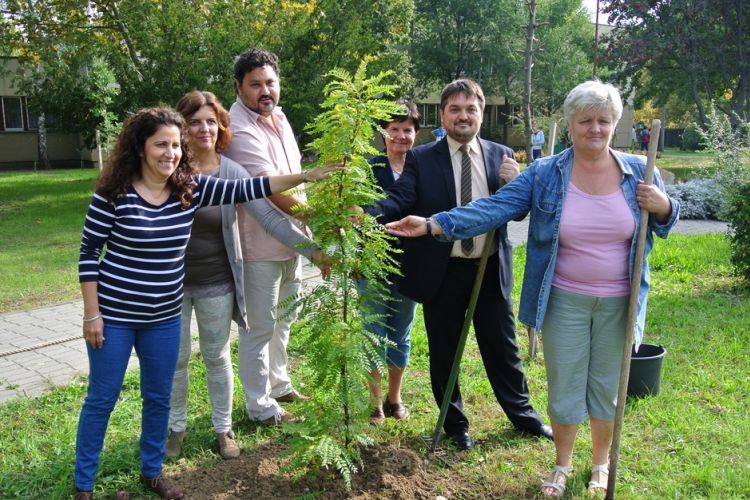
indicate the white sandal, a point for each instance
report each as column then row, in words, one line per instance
column 560, row 487
column 596, row 485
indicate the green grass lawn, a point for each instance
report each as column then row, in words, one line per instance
column 41, row 221
column 692, row 441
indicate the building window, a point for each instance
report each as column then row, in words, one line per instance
column 13, row 113
column 33, row 121
column 430, row 116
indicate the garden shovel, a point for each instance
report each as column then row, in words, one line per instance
column 635, row 285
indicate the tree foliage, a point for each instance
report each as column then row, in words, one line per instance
column 484, row 40
column 339, row 35
column 77, row 90
column 565, row 58
column 697, row 48
column 474, row 39
column 158, row 51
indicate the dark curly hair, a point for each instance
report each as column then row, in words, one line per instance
column 252, row 59
column 195, row 100
column 124, row 163
column 410, row 114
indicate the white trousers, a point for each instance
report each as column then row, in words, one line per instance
column 214, row 317
column 262, row 347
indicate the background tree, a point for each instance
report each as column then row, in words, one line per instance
column 465, row 39
column 565, row 58
column 158, row 51
column 77, row 91
column 528, row 69
column 705, row 41
column 339, row 34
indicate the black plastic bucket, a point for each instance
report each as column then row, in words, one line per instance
column 645, row 370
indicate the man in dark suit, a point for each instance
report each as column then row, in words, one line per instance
column 437, row 177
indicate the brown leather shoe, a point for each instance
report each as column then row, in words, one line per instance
column 163, row 487
column 89, row 495
column 228, row 448
column 283, row 418
column 83, row 495
column 174, row 443
column 292, row 397
column 397, row 410
column 377, row 416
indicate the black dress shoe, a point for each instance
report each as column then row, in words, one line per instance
column 462, row 440
column 545, row 431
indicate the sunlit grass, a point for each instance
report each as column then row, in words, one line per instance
column 689, row 442
column 41, row 220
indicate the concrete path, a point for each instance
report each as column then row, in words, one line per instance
column 41, row 348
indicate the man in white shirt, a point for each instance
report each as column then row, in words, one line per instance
column 263, row 143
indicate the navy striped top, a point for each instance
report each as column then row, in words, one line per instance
column 140, row 276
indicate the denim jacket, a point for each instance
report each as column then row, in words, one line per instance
column 540, row 190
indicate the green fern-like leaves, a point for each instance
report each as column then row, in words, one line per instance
column 317, row 451
column 358, row 247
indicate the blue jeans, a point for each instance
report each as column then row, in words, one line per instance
column 398, row 315
column 157, row 346
column 536, row 154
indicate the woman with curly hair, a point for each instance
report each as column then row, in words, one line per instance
column 143, row 211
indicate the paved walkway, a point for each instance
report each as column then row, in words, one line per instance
column 42, row 347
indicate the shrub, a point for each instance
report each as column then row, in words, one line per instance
column 698, row 198
column 739, row 207
column 691, row 139
column 731, row 151
column 520, row 156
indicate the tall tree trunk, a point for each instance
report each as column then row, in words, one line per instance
column 43, row 163
column 528, row 66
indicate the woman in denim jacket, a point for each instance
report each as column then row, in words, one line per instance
column 585, row 206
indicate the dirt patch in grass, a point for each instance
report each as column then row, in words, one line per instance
column 389, row 473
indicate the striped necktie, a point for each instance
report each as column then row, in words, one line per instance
column 466, row 245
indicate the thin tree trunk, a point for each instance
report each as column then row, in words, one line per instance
column 528, row 66
column 43, row 151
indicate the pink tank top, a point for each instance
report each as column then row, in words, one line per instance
column 595, row 238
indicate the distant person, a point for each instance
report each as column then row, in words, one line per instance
column 577, row 279
column 537, row 140
column 439, row 133
column 634, row 138
column 645, row 138
column 142, row 211
column 214, row 284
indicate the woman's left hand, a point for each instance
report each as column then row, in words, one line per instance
column 93, row 332
column 653, row 199
column 321, row 173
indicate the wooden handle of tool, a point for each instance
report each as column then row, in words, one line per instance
column 635, row 285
